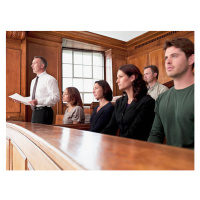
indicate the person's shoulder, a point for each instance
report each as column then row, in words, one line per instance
column 164, row 94
column 146, row 98
column 162, row 87
column 110, row 105
column 49, row 77
column 120, row 99
column 78, row 108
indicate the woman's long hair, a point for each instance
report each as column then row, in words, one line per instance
column 75, row 96
column 139, row 85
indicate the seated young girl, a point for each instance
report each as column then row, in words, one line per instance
column 102, row 113
column 74, row 114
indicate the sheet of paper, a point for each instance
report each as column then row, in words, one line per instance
column 20, row 98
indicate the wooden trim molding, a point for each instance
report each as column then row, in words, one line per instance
column 18, row 35
column 155, row 39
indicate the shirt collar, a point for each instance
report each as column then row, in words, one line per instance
column 42, row 74
column 153, row 86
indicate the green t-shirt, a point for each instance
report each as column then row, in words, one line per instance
column 174, row 118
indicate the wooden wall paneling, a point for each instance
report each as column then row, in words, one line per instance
column 13, row 76
column 19, row 159
column 154, row 41
column 10, row 155
column 23, row 78
column 140, row 61
column 7, row 154
column 51, row 51
column 101, row 42
column 117, row 61
column 157, row 58
column 108, row 67
column 25, row 154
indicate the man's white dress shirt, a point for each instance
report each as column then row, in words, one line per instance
column 47, row 92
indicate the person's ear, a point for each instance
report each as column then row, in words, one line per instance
column 191, row 60
column 132, row 78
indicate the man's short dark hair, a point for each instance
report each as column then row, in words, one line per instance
column 43, row 61
column 186, row 45
column 154, row 69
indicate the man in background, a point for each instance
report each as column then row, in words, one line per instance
column 151, row 73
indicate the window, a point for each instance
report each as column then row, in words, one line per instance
column 81, row 69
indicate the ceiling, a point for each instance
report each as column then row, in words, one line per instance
column 120, row 35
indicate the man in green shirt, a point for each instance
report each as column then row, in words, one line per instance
column 174, row 108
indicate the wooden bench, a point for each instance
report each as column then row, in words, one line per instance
column 85, row 127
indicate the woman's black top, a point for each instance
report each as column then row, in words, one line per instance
column 134, row 121
column 99, row 120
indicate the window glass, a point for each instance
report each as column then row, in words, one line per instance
column 67, row 56
column 67, row 70
column 97, row 59
column 81, row 69
column 97, row 73
column 88, row 98
column 87, row 58
column 88, row 86
column 67, row 82
column 78, row 57
column 78, row 83
column 78, row 71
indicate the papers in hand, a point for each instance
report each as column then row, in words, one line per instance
column 20, row 98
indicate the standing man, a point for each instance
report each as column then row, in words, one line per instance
column 46, row 92
column 151, row 77
column 175, row 108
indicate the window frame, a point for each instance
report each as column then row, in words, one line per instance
column 83, row 50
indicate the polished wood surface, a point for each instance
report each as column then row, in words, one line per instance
column 76, row 126
column 92, row 151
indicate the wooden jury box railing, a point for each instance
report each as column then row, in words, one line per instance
column 45, row 147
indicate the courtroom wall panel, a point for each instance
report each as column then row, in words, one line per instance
column 139, row 61
column 15, row 78
column 157, row 58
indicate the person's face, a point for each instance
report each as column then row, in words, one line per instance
column 149, row 76
column 124, row 82
column 97, row 91
column 37, row 66
column 176, row 62
column 66, row 97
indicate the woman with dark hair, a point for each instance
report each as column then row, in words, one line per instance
column 74, row 113
column 102, row 113
column 134, row 111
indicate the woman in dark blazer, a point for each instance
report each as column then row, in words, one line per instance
column 102, row 113
column 134, row 111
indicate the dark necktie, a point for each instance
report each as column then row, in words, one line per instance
column 34, row 89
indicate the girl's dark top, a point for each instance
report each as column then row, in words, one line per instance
column 99, row 120
column 134, row 121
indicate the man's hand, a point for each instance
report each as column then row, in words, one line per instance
column 33, row 102
column 16, row 101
